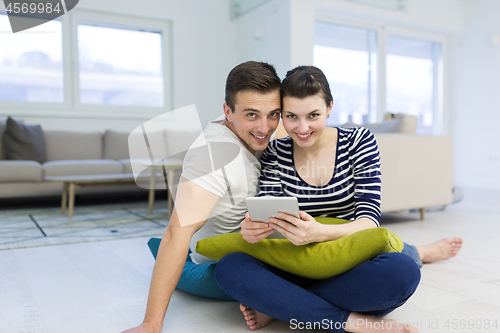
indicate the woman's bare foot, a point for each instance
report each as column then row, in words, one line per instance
column 255, row 319
column 441, row 250
column 357, row 322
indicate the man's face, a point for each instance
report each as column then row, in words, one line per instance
column 255, row 117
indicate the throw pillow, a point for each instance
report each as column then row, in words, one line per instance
column 24, row 142
column 115, row 145
column 315, row 261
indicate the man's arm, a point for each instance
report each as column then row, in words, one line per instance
column 193, row 206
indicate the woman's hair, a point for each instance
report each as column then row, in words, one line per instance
column 306, row 81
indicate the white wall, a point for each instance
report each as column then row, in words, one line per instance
column 429, row 15
column 288, row 26
column 475, row 97
column 263, row 34
column 203, row 53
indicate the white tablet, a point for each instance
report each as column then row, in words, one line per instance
column 263, row 208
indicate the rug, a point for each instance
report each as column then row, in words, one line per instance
column 21, row 228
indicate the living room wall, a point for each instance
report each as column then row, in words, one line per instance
column 475, row 99
column 202, row 54
column 281, row 32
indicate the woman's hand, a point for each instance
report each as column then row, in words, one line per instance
column 254, row 232
column 298, row 231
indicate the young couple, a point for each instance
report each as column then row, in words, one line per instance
column 333, row 171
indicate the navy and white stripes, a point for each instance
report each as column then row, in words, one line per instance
column 352, row 193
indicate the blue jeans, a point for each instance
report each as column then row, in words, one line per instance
column 199, row 279
column 412, row 252
column 375, row 287
column 196, row 279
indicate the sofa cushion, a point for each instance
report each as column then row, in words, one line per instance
column 73, row 146
column 79, row 167
column 2, row 129
column 315, row 260
column 140, row 147
column 127, row 165
column 20, row 171
column 178, row 142
column 115, row 145
column 403, row 124
column 24, row 142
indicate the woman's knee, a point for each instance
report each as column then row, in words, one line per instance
column 227, row 267
column 402, row 271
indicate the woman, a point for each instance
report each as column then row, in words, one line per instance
column 333, row 172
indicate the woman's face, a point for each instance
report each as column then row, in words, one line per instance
column 305, row 119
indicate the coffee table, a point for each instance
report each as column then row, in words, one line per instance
column 168, row 167
column 71, row 183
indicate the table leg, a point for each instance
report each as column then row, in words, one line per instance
column 151, row 199
column 71, row 199
column 64, row 199
column 422, row 213
column 170, row 178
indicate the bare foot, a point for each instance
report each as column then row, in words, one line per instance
column 441, row 250
column 357, row 323
column 255, row 319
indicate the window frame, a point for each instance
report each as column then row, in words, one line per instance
column 71, row 106
column 66, row 104
column 124, row 22
column 441, row 90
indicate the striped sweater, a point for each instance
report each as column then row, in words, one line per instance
column 353, row 191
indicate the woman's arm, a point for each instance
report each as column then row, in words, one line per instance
column 365, row 161
column 307, row 230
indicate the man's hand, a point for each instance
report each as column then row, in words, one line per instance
column 144, row 328
column 254, row 232
column 298, row 231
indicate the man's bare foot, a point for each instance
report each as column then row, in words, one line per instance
column 357, row 323
column 255, row 319
column 441, row 250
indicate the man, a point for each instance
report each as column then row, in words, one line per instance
column 210, row 203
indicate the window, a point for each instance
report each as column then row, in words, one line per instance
column 86, row 61
column 31, row 67
column 120, row 67
column 411, row 84
column 348, row 57
column 413, row 78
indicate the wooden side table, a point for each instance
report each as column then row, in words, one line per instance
column 71, row 183
column 167, row 167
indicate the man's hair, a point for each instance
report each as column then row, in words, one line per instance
column 306, row 81
column 254, row 76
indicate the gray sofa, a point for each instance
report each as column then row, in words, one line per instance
column 67, row 153
column 417, row 170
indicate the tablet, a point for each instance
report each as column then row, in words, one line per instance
column 263, row 208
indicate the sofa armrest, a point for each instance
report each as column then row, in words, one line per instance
column 417, row 171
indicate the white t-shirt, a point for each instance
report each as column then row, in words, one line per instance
column 219, row 162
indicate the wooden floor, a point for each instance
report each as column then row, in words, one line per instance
column 102, row 286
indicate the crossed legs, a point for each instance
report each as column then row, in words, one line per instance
column 368, row 291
